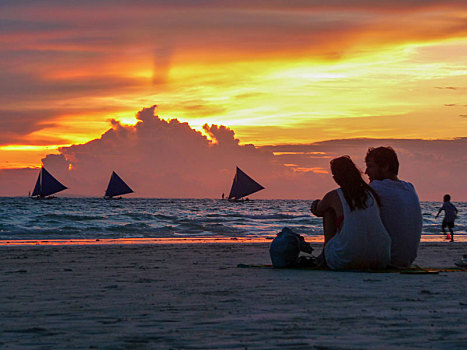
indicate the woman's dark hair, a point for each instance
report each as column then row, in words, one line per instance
column 350, row 180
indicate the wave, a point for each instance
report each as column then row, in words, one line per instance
column 67, row 218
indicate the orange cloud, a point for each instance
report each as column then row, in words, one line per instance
column 276, row 72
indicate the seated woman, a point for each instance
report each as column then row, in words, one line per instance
column 354, row 235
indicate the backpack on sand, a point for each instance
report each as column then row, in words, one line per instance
column 286, row 247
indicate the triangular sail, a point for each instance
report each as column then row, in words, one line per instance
column 37, row 188
column 117, row 186
column 47, row 185
column 243, row 185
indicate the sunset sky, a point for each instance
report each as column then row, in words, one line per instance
column 279, row 75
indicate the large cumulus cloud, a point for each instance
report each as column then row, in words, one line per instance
column 160, row 158
column 168, row 158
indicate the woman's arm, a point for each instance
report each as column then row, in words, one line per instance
column 329, row 201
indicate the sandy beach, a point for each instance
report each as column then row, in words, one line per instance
column 193, row 296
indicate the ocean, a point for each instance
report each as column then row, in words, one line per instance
column 22, row 218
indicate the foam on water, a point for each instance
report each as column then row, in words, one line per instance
column 89, row 218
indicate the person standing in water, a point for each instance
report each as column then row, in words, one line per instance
column 450, row 214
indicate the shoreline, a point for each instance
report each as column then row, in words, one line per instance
column 186, row 240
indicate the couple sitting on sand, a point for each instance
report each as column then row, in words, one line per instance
column 369, row 226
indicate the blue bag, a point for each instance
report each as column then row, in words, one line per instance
column 286, row 247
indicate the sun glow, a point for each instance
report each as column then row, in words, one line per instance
column 319, row 75
column 287, row 99
column 28, row 148
column 29, row 156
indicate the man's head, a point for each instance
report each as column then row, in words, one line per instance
column 381, row 163
column 446, row 198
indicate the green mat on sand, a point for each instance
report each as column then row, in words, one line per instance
column 411, row 270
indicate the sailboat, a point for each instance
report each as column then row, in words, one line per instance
column 116, row 187
column 242, row 186
column 46, row 185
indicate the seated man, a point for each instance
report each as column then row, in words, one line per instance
column 400, row 208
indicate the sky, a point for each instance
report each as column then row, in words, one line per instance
column 275, row 87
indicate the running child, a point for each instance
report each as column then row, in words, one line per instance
column 450, row 214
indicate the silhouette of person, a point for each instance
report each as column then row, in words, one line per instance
column 400, row 206
column 450, row 214
column 354, row 234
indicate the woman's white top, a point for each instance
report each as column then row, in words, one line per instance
column 362, row 242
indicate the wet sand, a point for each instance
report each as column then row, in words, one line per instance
column 193, row 296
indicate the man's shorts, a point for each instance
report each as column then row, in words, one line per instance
column 449, row 224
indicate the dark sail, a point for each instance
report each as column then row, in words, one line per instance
column 117, row 186
column 37, row 188
column 243, row 185
column 47, row 185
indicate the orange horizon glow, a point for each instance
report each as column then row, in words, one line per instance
column 185, row 240
column 131, row 241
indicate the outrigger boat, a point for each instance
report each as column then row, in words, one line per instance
column 116, row 187
column 242, row 186
column 46, row 186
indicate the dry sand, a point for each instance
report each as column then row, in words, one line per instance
column 193, row 296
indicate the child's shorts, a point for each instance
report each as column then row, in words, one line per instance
column 449, row 224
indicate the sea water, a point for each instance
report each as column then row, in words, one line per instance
column 23, row 218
